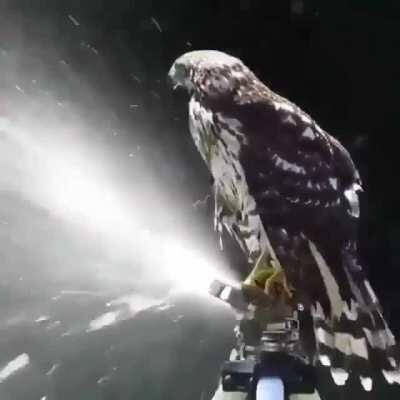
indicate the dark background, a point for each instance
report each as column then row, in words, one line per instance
column 338, row 60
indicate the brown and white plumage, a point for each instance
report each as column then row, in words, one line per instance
column 286, row 188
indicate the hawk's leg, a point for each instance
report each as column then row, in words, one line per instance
column 270, row 277
column 277, row 282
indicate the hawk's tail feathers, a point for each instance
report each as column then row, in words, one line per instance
column 355, row 339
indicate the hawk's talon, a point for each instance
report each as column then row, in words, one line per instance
column 269, row 276
column 276, row 285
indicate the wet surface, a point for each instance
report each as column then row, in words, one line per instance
column 173, row 348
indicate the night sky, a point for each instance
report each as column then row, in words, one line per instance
column 87, row 79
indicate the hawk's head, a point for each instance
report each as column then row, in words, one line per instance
column 216, row 77
column 209, row 73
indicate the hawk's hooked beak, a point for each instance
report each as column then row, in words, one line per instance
column 171, row 78
column 175, row 85
column 174, row 78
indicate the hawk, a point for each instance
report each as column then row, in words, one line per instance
column 287, row 191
